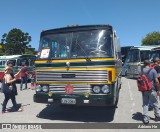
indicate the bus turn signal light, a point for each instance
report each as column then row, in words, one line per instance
column 110, row 76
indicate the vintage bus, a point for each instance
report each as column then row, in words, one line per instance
column 79, row 65
column 135, row 58
column 18, row 62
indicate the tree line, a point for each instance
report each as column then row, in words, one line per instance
column 152, row 38
column 16, row 42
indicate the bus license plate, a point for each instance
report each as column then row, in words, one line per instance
column 68, row 101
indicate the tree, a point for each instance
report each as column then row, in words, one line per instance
column 15, row 42
column 151, row 39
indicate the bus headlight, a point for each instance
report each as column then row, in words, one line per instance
column 45, row 88
column 105, row 89
column 38, row 88
column 96, row 89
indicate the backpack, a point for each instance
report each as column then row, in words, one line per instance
column 153, row 66
column 143, row 82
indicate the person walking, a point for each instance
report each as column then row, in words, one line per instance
column 151, row 95
column 24, row 75
column 7, row 89
column 10, row 65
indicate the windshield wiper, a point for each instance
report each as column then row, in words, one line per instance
column 86, row 56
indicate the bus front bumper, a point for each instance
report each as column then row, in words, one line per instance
column 78, row 100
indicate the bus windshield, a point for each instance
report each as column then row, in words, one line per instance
column 124, row 52
column 133, row 56
column 79, row 44
column 137, row 55
column 145, row 55
column 154, row 54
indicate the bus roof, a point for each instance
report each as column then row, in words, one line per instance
column 156, row 48
column 75, row 28
column 9, row 57
column 143, row 47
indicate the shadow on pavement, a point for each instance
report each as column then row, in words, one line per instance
column 137, row 116
column 11, row 109
column 77, row 113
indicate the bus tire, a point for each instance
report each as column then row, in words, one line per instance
column 117, row 97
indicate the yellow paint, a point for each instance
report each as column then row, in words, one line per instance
column 107, row 68
column 73, row 60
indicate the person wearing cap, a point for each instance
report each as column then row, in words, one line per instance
column 10, row 65
column 151, row 95
column 8, row 91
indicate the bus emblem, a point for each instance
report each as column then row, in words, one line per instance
column 69, row 89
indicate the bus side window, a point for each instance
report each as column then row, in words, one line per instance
column 18, row 63
column 117, row 48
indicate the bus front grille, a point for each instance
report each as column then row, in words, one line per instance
column 73, row 76
column 77, row 88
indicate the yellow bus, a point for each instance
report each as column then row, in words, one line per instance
column 79, row 65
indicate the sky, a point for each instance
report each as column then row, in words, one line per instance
column 132, row 19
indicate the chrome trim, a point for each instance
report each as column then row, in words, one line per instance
column 85, row 76
column 78, row 89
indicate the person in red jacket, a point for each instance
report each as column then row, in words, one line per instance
column 24, row 75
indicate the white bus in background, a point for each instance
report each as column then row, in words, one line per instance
column 18, row 61
column 155, row 52
column 135, row 58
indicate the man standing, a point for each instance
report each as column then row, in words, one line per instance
column 151, row 95
column 24, row 75
column 155, row 66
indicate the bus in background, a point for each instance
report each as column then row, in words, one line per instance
column 18, row 61
column 155, row 52
column 124, row 51
column 135, row 58
column 79, row 65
